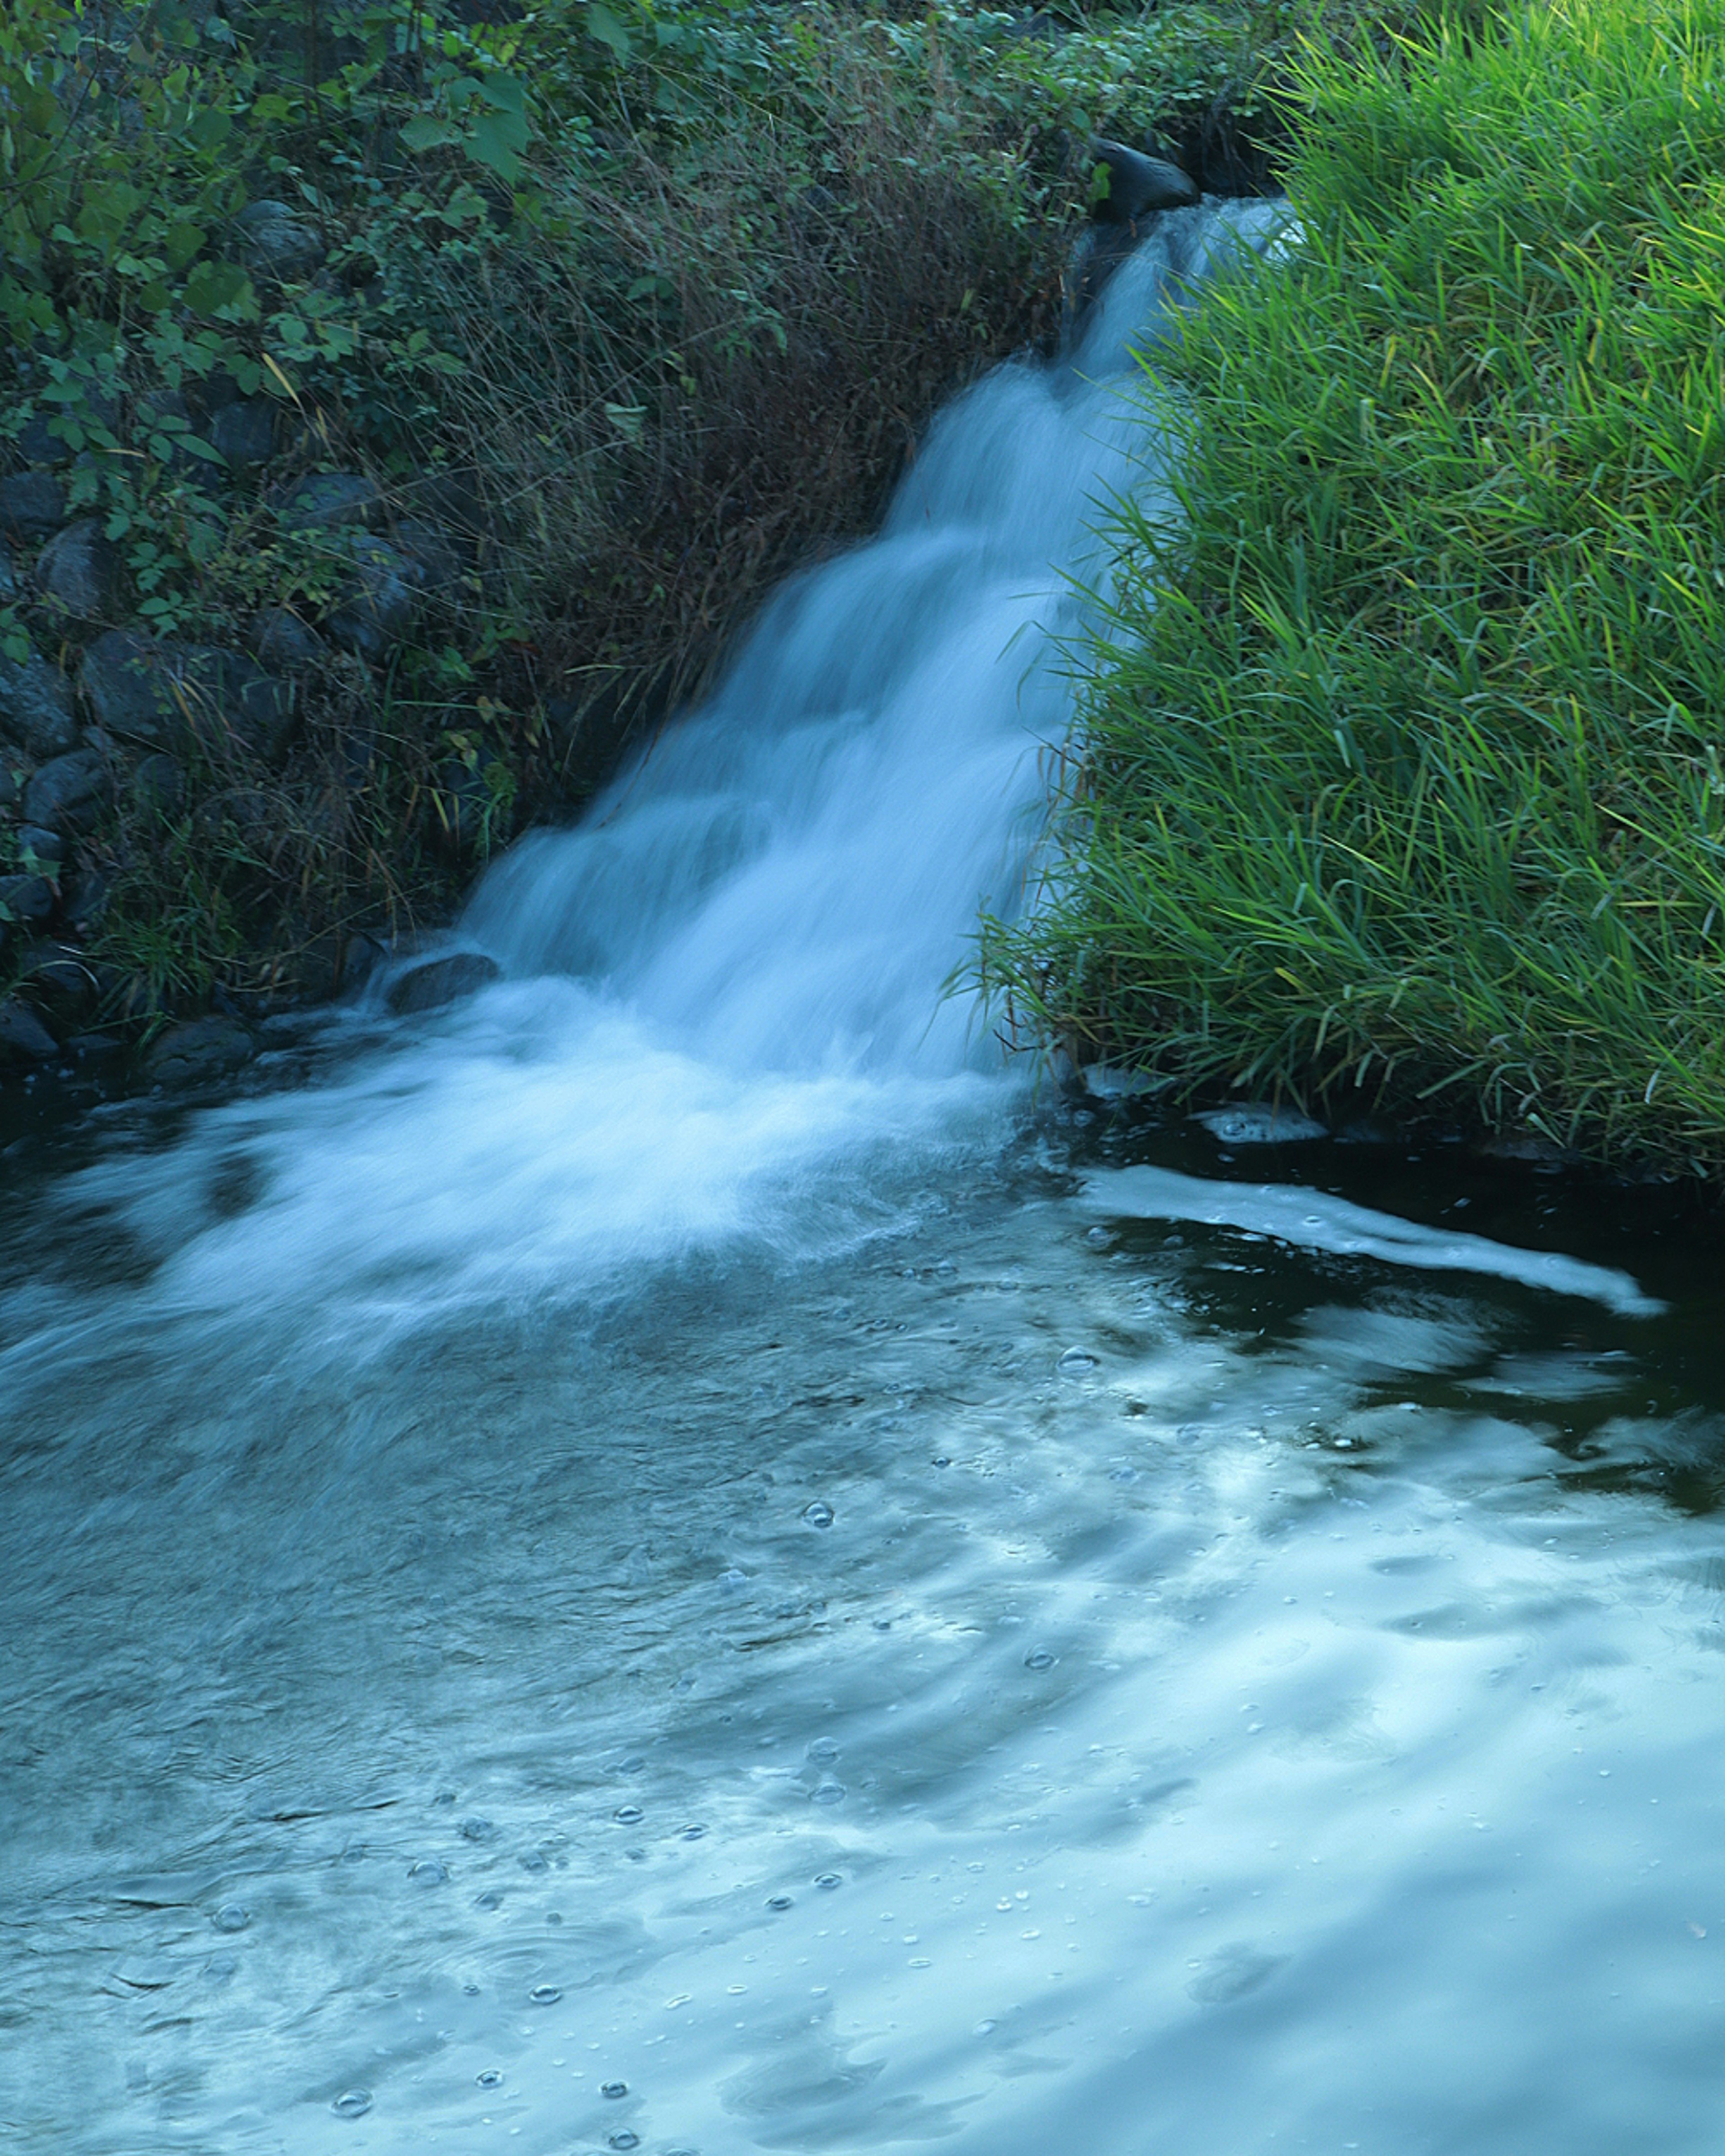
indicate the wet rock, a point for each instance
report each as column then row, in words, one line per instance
column 435, row 982
column 1137, row 185
column 36, row 843
column 32, row 504
column 327, row 501
column 331, row 965
column 198, row 1051
column 23, row 1038
column 280, row 640
column 375, row 610
column 158, row 786
column 277, row 240
column 81, row 572
column 36, row 706
column 1109, row 1082
column 244, row 432
column 69, row 792
column 26, row 901
column 1260, row 1122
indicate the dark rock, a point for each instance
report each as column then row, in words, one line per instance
column 1137, row 184
column 327, row 501
column 23, row 1038
column 36, row 843
column 69, row 792
column 26, row 901
column 85, row 901
column 440, row 562
column 37, row 446
column 276, row 240
column 126, row 682
column 32, row 504
column 463, row 803
column 59, row 982
column 436, row 982
column 36, row 706
column 9, row 788
column 332, row 964
column 375, row 610
column 202, row 1049
column 166, row 695
column 81, row 570
column 244, row 432
column 10, row 584
column 281, row 639
column 158, row 785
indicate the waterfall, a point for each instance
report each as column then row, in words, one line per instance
column 724, row 995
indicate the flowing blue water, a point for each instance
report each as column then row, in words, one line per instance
column 675, row 1559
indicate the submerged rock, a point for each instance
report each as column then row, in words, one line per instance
column 202, row 1049
column 1260, row 1122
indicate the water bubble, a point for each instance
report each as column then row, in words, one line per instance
column 1039, row 1658
column 478, row 1830
column 546, row 1994
column 818, row 1515
column 469, row 1991
column 231, row 1917
column 984, row 2029
column 1122, row 1474
column 635, row 1764
column 623, row 2138
column 554, row 1916
column 883, row 1624
column 427, row 1871
column 693, row 1833
column 826, row 1881
column 614, row 2089
column 490, row 2077
column 352, row 2103
column 489, row 1901
column 1075, row 1361
column 220, row 1967
column 732, row 1578
column 823, row 1747
column 829, row 1792
column 534, row 1860
column 941, row 1460
column 1099, row 1238
column 629, row 1815
column 779, row 1901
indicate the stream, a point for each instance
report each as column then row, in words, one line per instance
column 676, row 1557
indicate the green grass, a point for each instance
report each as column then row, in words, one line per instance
column 1405, row 771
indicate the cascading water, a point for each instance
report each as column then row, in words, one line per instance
column 663, row 1561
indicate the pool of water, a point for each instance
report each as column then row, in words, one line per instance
column 1035, row 1675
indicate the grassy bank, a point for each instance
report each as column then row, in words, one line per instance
column 604, row 315
column 1406, row 771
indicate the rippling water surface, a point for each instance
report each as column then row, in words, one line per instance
column 672, row 1561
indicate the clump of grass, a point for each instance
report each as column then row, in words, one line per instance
column 1406, row 770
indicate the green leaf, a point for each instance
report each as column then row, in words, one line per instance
column 602, row 24
column 426, row 131
column 183, row 242
column 221, row 288
column 497, row 141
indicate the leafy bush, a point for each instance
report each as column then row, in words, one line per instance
column 1404, row 776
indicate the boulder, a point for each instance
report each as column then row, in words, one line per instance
column 1137, row 185
column 60, row 984
column 202, row 1049
column 85, row 901
column 440, row 562
column 11, row 584
column 159, row 785
column 435, row 982
column 163, row 695
column 32, row 504
column 36, row 843
column 327, row 501
column 376, row 608
column 36, row 706
column 23, row 1038
column 81, row 572
column 244, row 432
column 26, row 901
column 277, row 240
column 69, row 792
column 280, row 640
